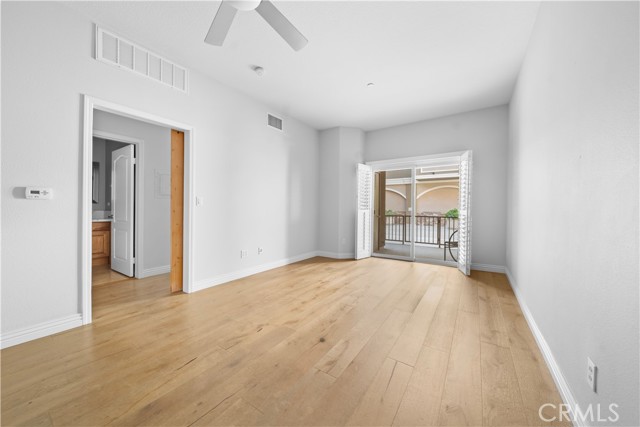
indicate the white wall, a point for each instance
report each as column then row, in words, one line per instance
column 483, row 131
column 340, row 150
column 573, row 195
column 328, row 218
column 154, row 249
column 47, row 66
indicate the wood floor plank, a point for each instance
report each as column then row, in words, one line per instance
column 279, row 368
column 239, row 413
column 440, row 333
column 537, row 388
column 462, row 396
column 420, row 279
column 492, row 325
column 516, row 326
column 342, row 398
column 286, row 375
column 343, row 353
column 293, row 405
column 469, row 293
column 420, row 405
column 501, row 283
column 380, row 403
column 320, row 342
column 501, row 398
column 409, row 344
column 191, row 400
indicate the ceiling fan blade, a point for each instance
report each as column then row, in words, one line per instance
column 287, row 31
column 221, row 24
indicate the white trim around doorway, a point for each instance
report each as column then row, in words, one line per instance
column 91, row 104
column 413, row 162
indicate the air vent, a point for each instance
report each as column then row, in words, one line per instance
column 115, row 50
column 274, row 122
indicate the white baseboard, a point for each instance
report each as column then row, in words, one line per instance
column 148, row 272
column 336, row 255
column 554, row 368
column 235, row 275
column 489, row 267
column 40, row 330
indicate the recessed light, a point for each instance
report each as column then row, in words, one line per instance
column 370, row 84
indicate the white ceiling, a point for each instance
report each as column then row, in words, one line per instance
column 427, row 59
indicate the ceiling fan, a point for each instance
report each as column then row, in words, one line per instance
column 265, row 8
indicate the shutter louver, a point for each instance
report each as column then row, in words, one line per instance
column 363, row 219
column 464, row 215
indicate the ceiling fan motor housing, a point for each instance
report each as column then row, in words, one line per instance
column 244, row 4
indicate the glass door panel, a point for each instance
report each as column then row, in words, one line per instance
column 393, row 214
column 436, row 213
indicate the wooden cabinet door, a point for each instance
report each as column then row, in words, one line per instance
column 97, row 248
column 101, row 244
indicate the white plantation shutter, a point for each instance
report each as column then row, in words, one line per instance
column 363, row 218
column 464, row 221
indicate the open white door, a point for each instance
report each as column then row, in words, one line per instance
column 122, row 199
column 363, row 218
column 464, row 215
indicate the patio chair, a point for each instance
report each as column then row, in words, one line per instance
column 450, row 243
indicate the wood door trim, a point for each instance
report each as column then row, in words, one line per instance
column 177, row 209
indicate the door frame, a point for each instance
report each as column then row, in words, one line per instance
column 411, row 257
column 90, row 105
column 412, row 163
column 138, row 218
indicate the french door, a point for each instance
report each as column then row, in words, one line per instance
column 394, row 214
column 389, row 224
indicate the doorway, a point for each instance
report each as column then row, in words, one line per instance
column 393, row 210
column 126, row 220
column 132, row 192
column 419, row 209
column 116, row 187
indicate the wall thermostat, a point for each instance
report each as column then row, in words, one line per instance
column 38, row 193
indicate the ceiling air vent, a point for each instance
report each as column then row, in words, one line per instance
column 274, row 122
column 115, row 50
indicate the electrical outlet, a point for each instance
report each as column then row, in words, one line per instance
column 244, row 253
column 592, row 373
column 260, row 250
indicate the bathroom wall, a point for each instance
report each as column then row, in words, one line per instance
column 99, row 156
column 102, row 150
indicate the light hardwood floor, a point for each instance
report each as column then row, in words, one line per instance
column 321, row 342
column 103, row 274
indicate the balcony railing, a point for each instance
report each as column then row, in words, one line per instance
column 430, row 229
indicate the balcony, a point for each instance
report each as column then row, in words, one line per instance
column 433, row 236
